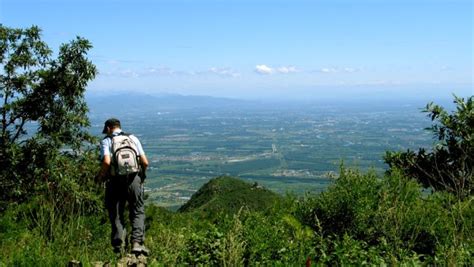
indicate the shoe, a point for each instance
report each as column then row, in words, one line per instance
column 140, row 249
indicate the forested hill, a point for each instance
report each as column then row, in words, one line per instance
column 228, row 195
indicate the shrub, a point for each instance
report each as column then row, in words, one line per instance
column 389, row 219
column 449, row 165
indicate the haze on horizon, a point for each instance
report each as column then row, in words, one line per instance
column 265, row 49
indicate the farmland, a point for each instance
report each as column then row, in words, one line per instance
column 289, row 149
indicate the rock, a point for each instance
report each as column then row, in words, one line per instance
column 74, row 263
column 132, row 260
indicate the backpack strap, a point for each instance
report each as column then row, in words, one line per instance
column 112, row 137
column 121, row 133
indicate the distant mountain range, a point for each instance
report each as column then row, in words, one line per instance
column 131, row 102
column 144, row 102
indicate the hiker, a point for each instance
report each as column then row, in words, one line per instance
column 123, row 170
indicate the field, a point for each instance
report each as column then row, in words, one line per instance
column 288, row 149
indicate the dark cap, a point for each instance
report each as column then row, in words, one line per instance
column 111, row 123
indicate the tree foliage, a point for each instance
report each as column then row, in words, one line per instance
column 448, row 166
column 43, row 95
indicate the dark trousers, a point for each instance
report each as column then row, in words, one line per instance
column 119, row 190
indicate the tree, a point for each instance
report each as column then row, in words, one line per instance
column 449, row 165
column 38, row 90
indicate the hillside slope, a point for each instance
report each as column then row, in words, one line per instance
column 228, row 195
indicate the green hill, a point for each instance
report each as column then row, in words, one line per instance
column 228, row 195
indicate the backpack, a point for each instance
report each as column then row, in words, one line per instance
column 124, row 155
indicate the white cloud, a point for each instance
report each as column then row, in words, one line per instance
column 266, row 70
column 263, row 69
column 159, row 71
column 113, row 62
column 328, row 70
column 380, row 82
column 337, row 70
column 287, row 69
column 129, row 73
column 227, row 72
column 166, row 71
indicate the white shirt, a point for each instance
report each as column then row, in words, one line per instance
column 106, row 145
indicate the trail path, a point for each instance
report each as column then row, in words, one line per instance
column 126, row 261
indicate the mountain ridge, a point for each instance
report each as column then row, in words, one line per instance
column 225, row 194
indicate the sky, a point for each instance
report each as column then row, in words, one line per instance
column 265, row 49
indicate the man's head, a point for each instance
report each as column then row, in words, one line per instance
column 110, row 125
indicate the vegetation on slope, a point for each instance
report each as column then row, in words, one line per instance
column 361, row 219
column 228, row 195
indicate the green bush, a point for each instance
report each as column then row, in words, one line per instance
column 276, row 238
column 63, row 219
column 449, row 164
column 347, row 207
column 388, row 218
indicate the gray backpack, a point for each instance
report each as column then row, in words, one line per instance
column 124, row 156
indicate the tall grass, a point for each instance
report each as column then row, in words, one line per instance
column 41, row 237
column 233, row 246
column 63, row 219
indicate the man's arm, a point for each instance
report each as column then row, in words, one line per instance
column 144, row 164
column 104, row 168
column 105, row 160
column 144, row 161
column 141, row 157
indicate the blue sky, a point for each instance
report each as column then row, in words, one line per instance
column 259, row 48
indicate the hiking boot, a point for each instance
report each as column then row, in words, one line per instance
column 140, row 249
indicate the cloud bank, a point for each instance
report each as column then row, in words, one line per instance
column 166, row 71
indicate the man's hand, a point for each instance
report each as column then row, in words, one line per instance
column 142, row 174
column 144, row 165
column 99, row 178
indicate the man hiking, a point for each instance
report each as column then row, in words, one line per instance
column 123, row 170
